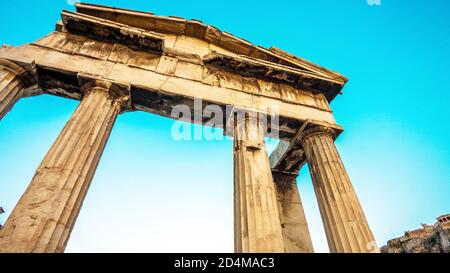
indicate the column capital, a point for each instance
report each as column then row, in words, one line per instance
column 249, row 128
column 116, row 91
column 250, row 117
column 27, row 73
column 234, row 114
column 284, row 177
column 316, row 130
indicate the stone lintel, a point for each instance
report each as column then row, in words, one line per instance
column 288, row 156
column 154, row 91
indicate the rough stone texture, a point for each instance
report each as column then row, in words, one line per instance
column 176, row 59
column 60, row 59
column 246, row 66
column 345, row 224
column 257, row 226
column 13, row 80
column 175, row 29
column 428, row 239
column 296, row 236
column 220, row 41
column 112, row 32
column 46, row 213
column 289, row 156
column 168, row 61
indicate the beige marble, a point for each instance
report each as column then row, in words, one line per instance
column 45, row 214
column 13, row 80
column 345, row 224
column 168, row 61
column 257, row 222
column 296, row 236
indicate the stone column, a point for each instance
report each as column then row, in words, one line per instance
column 257, row 225
column 45, row 215
column 296, row 236
column 13, row 80
column 346, row 226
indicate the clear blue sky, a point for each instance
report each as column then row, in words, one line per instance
column 151, row 193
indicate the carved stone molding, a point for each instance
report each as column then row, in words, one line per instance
column 115, row 91
column 317, row 129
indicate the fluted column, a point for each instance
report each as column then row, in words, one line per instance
column 296, row 236
column 257, row 225
column 346, row 226
column 46, row 213
column 13, row 80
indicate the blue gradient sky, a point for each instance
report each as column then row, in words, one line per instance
column 151, row 193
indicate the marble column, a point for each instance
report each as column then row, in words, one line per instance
column 296, row 236
column 257, row 226
column 45, row 215
column 13, row 80
column 345, row 224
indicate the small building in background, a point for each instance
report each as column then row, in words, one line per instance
column 428, row 239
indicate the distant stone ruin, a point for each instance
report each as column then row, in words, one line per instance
column 428, row 239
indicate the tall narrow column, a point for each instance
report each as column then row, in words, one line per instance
column 46, row 213
column 296, row 236
column 13, row 80
column 346, row 226
column 257, row 225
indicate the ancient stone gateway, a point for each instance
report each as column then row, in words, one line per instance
column 117, row 60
